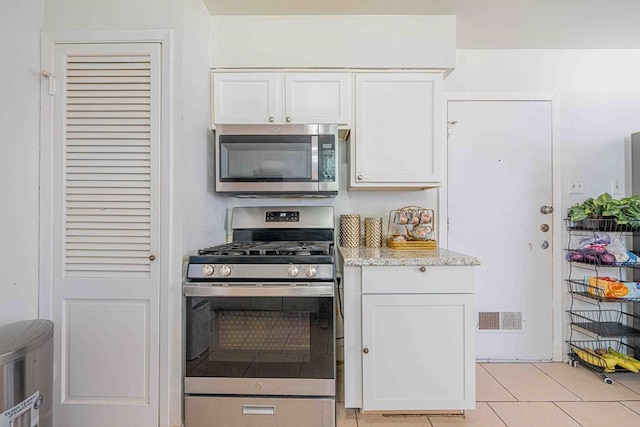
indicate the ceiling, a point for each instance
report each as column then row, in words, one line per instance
column 491, row 24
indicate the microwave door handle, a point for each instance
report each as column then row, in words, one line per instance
column 314, row 158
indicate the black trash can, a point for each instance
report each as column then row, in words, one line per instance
column 26, row 373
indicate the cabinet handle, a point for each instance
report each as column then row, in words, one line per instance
column 288, row 119
column 359, row 177
column 365, row 350
column 152, row 257
column 423, row 269
column 271, row 119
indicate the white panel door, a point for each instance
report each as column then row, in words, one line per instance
column 499, row 175
column 105, row 237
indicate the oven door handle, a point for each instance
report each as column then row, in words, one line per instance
column 258, row 291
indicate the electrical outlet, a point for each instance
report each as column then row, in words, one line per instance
column 616, row 188
column 576, row 186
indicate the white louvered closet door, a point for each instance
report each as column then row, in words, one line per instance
column 106, row 234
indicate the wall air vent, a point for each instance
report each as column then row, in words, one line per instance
column 500, row 321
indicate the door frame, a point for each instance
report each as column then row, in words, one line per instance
column 170, row 239
column 556, row 186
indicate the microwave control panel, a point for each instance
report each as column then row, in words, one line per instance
column 327, row 158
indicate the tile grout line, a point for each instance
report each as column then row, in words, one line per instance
column 498, row 415
column 559, row 383
column 555, row 403
column 498, row 381
column 631, row 409
column 578, row 367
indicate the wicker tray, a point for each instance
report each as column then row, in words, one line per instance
column 409, row 221
column 412, row 244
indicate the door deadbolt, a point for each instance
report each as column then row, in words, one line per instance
column 544, row 228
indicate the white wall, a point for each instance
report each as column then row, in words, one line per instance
column 203, row 214
column 20, row 24
column 112, row 14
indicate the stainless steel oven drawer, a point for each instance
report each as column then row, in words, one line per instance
column 206, row 411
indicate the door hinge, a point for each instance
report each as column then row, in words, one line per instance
column 449, row 124
column 52, row 81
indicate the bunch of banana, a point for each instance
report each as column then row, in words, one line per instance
column 591, row 357
column 625, row 361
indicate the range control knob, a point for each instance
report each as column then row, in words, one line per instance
column 293, row 270
column 312, row 270
column 225, row 270
column 207, row 270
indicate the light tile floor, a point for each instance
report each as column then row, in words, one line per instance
column 527, row 394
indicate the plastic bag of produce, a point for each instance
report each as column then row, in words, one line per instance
column 602, row 249
column 612, row 288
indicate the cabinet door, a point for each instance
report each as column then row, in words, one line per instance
column 318, row 98
column 399, row 131
column 248, row 98
column 418, row 352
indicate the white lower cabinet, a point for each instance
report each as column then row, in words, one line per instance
column 414, row 352
column 409, row 347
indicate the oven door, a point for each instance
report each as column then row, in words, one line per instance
column 260, row 340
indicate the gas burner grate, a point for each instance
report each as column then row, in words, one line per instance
column 270, row 249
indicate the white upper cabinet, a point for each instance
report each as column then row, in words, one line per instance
column 318, row 98
column 399, row 136
column 250, row 98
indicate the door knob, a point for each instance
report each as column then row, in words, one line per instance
column 544, row 244
column 546, row 210
column 152, row 257
column 544, row 228
column 365, row 350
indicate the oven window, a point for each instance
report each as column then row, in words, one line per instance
column 265, row 158
column 261, row 337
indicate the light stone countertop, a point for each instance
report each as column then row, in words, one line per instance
column 364, row 256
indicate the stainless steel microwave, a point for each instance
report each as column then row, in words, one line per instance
column 276, row 160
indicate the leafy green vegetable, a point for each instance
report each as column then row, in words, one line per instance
column 624, row 211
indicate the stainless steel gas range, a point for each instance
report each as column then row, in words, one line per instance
column 259, row 322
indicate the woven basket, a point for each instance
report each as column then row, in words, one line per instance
column 414, row 245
